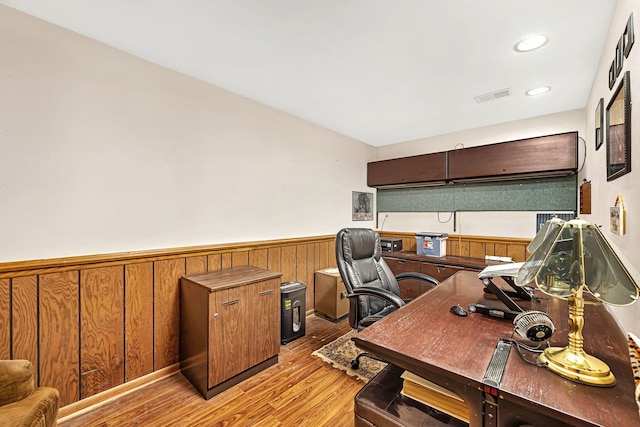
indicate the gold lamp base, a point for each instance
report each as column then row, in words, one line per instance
column 578, row 366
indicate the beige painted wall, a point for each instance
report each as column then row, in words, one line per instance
column 569, row 121
column 604, row 193
column 103, row 152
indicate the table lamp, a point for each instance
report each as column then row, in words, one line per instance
column 570, row 258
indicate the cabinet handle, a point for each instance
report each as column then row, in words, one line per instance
column 234, row 301
column 270, row 291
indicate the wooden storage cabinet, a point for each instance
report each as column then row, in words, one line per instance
column 230, row 326
column 330, row 294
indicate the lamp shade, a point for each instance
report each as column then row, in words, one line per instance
column 575, row 254
column 568, row 259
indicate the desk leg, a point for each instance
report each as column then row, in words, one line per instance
column 489, row 410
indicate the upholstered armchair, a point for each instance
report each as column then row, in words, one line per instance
column 21, row 403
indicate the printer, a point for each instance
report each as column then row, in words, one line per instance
column 390, row 245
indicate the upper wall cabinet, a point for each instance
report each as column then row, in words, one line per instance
column 408, row 171
column 552, row 155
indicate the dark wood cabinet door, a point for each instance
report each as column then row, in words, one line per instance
column 543, row 155
column 409, row 288
column 440, row 272
column 407, row 170
column 229, row 339
column 264, row 320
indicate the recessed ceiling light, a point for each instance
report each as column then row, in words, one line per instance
column 531, row 43
column 538, row 91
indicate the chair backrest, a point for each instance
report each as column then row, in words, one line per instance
column 360, row 262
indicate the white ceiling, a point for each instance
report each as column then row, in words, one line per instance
column 380, row 71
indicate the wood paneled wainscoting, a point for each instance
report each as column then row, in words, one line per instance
column 95, row 326
column 473, row 246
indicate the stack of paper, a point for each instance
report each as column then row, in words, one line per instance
column 424, row 391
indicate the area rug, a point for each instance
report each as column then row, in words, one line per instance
column 340, row 352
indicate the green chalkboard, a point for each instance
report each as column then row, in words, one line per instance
column 549, row 194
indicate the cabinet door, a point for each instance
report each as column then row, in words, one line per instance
column 407, row 170
column 546, row 155
column 408, row 288
column 229, row 333
column 264, row 321
column 440, row 272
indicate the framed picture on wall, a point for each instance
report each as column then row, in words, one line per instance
column 628, row 36
column 616, row 220
column 362, row 206
column 612, row 74
column 617, row 217
column 618, row 130
column 599, row 123
column 619, row 56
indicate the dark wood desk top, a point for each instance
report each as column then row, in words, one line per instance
column 425, row 338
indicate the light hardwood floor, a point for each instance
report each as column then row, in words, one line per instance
column 300, row 390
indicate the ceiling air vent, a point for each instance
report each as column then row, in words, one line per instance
column 493, row 95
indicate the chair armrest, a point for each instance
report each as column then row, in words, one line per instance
column 16, row 380
column 417, row 276
column 377, row 292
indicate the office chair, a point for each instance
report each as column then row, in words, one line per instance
column 372, row 288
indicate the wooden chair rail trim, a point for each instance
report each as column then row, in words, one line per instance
column 56, row 265
column 29, row 267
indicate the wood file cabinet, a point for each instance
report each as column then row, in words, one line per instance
column 330, row 294
column 229, row 326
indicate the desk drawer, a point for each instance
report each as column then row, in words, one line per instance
column 440, row 272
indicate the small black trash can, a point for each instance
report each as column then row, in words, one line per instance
column 293, row 311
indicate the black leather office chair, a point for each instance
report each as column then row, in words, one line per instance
column 372, row 288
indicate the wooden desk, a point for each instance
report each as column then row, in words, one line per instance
column 454, row 352
column 440, row 268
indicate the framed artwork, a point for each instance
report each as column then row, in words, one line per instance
column 617, row 217
column 614, row 219
column 619, row 60
column 612, row 74
column 618, row 128
column 628, row 37
column 362, row 206
column 599, row 123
